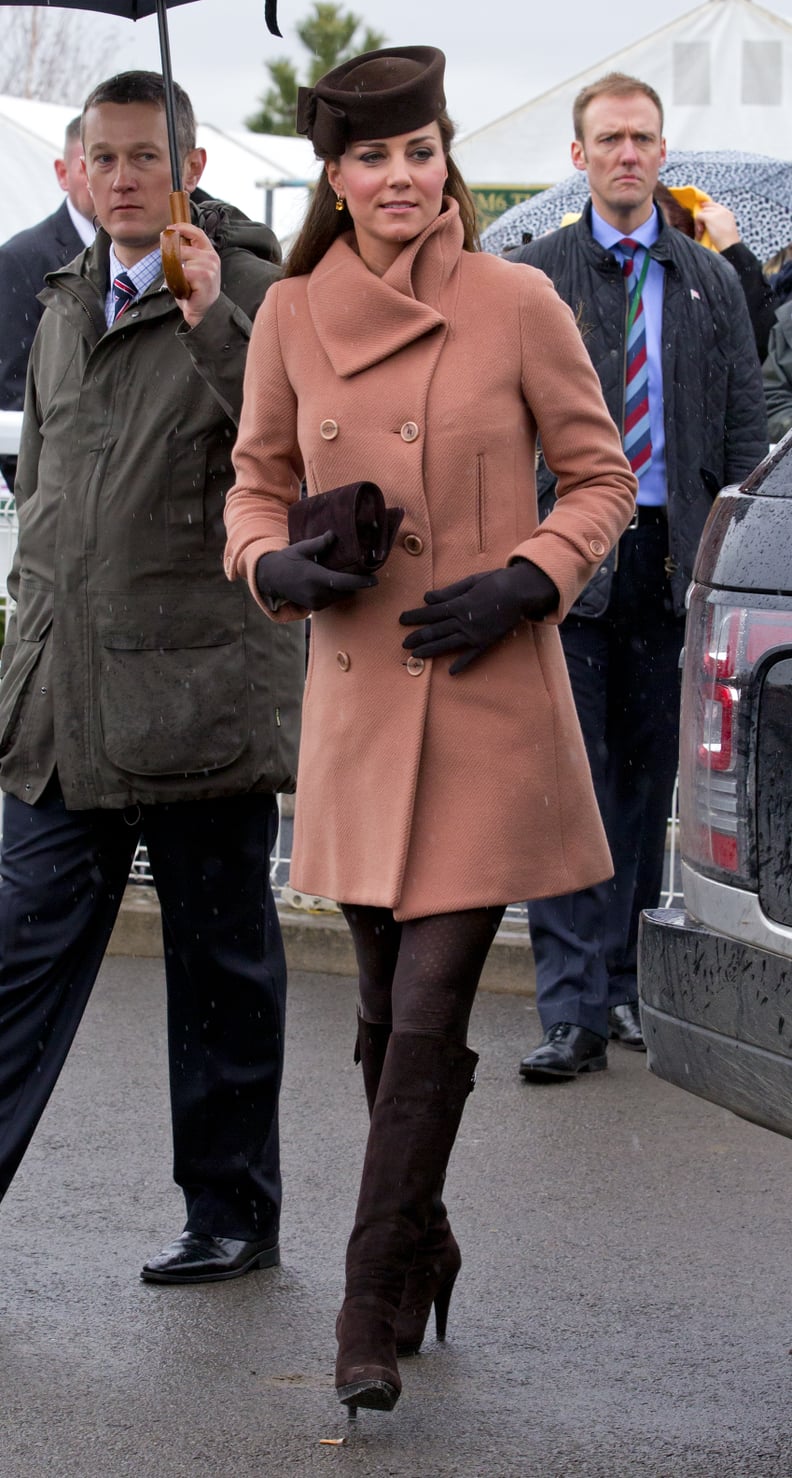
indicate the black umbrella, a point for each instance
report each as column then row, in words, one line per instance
column 135, row 10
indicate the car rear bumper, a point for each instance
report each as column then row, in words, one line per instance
column 717, row 1017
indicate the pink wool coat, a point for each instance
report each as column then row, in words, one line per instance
column 418, row 791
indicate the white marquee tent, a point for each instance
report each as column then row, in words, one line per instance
column 723, row 70
column 241, row 167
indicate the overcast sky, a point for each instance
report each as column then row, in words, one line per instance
column 500, row 53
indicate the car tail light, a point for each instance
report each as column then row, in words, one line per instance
column 725, row 640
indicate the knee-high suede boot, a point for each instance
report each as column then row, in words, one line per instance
column 423, row 1086
column 370, row 1048
column 437, row 1261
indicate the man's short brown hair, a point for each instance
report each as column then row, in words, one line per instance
column 72, row 134
column 613, row 84
column 146, row 87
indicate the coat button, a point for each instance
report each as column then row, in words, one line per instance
column 343, row 660
column 415, row 665
column 413, row 543
column 409, row 431
column 328, row 430
column 597, row 548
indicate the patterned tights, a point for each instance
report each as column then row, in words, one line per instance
column 421, row 976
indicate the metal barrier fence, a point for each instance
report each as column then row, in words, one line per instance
column 10, row 424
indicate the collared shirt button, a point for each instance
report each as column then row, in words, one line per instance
column 597, row 548
column 328, row 429
column 415, row 665
column 409, row 431
column 413, row 543
column 344, row 661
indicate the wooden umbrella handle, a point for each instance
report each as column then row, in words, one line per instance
column 171, row 245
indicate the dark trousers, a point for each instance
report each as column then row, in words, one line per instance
column 624, row 670
column 62, row 878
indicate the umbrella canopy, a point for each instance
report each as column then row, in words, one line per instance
column 179, row 204
column 756, row 188
column 135, row 10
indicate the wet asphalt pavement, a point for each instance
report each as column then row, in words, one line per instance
column 624, row 1310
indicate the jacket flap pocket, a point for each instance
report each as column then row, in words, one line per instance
column 168, row 710
column 171, row 621
column 175, row 638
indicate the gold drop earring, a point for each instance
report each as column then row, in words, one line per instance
column 340, row 202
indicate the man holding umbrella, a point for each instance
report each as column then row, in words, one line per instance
column 142, row 694
column 667, row 328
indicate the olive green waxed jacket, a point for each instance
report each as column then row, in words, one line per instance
column 131, row 664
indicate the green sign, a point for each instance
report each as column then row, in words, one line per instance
column 492, row 200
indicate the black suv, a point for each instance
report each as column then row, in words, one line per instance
column 715, row 978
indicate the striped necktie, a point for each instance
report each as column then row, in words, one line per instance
column 124, row 291
column 637, row 433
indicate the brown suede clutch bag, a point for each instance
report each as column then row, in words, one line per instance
column 364, row 528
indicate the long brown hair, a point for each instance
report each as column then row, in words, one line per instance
column 323, row 223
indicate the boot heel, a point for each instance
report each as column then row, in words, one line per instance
column 441, row 1303
column 375, row 1395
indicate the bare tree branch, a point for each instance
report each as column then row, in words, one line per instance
column 54, row 55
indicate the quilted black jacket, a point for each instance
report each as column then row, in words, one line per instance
column 715, row 421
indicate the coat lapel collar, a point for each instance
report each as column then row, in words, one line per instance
column 362, row 319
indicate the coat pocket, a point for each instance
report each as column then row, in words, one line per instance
column 186, row 498
column 481, row 506
column 173, row 705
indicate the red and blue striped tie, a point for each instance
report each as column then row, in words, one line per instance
column 637, row 433
column 124, row 291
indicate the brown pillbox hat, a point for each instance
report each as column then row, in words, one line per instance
column 376, row 95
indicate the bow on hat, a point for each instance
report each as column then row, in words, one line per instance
column 325, row 124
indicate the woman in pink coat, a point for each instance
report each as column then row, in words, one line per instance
column 442, row 770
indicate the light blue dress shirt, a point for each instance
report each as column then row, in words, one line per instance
column 142, row 274
column 653, row 486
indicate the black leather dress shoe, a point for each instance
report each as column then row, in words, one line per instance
column 198, row 1257
column 565, row 1051
column 624, row 1025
